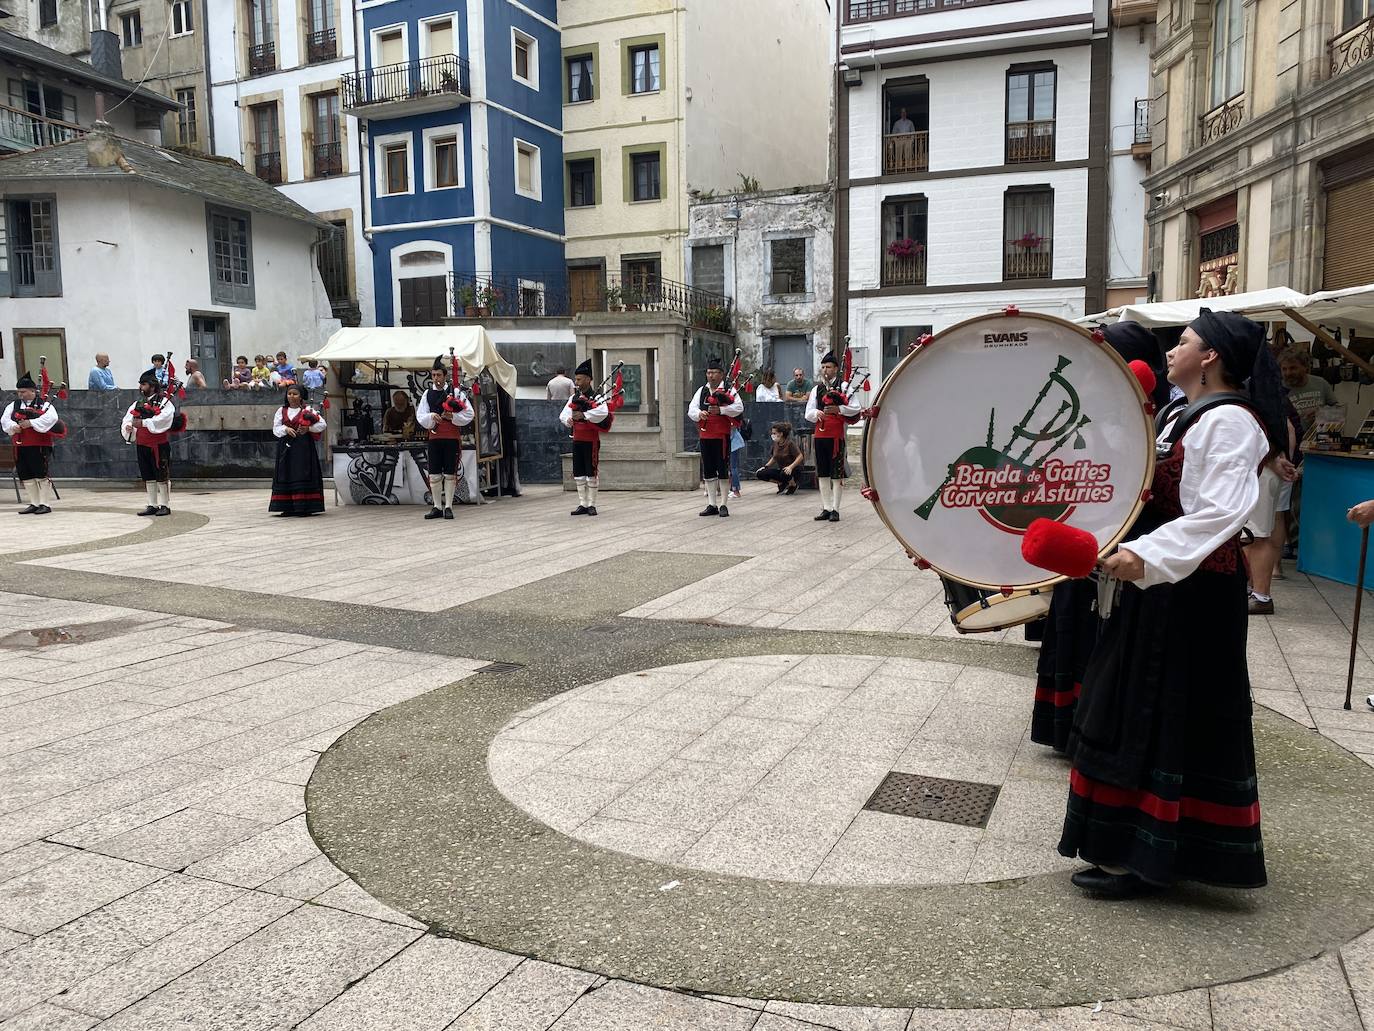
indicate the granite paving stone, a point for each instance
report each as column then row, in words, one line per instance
column 256, row 860
column 530, row 998
column 46, row 1017
column 1309, row 995
column 625, row 1007
column 47, row 897
column 179, row 839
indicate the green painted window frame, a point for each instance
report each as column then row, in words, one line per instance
column 627, row 170
column 626, row 45
column 592, row 50
column 582, row 155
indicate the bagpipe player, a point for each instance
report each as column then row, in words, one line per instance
column 148, row 425
column 829, row 410
column 443, row 411
column 30, row 422
column 585, row 414
column 715, row 409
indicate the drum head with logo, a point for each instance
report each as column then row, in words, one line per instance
column 997, row 422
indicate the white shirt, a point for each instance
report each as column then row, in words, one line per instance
column 1218, row 490
column 597, row 414
column 42, row 424
column 814, row 413
column 160, row 423
column 903, row 126
column 279, row 425
column 427, row 419
column 734, row 409
column 763, row 393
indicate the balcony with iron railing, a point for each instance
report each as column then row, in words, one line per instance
column 321, row 46
column 267, row 166
column 1352, row 47
column 423, row 84
column 906, row 152
column 327, row 159
column 859, row 11
column 262, row 58
column 1030, row 141
column 1222, row 120
column 904, row 266
column 20, row 130
column 1028, row 257
column 548, row 295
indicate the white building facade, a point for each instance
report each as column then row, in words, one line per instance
column 974, row 166
column 151, row 252
column 274, row 74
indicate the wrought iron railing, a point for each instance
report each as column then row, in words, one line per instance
column 407, row 80
column 904, row 270
column 327, row 159
column 23, row 266
column 906, row 152
column 1222, row 120
column 1219, row 243
column 20, row 130
column 321, row 46
column 262, row 58
column 1142, row 122
column 267, row 166
column 547, row 294
column 1352, row 47
column 1030, row 141
column 1035, row 262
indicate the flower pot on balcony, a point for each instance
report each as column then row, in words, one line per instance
column 482, row 312
column 470, row 311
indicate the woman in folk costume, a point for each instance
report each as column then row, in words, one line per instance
column 443, row 412
column 298, row 480
column 1163, row 784
column 1072, row 625
column 30, row 422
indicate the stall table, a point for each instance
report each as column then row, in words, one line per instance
column 394, row 473
column 1328, row 543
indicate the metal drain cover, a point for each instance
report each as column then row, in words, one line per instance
column 499, row 667
column 932, row 798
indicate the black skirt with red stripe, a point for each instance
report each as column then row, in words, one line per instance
column 1163, row 779
column 1071, row 629
column 298, row 483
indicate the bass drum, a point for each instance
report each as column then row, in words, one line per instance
column 997, row 422
column 974, row 611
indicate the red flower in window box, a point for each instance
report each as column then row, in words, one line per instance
column 1030, row 241
column 904, row 248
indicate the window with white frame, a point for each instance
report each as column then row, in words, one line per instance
column 394, row 164
column 443, row 158
column 1228, row 50
column 131, row 29
column 524, row 58
column 183, row 22
column 527, row 177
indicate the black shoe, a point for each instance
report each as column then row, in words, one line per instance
column 579, row 510
column 150, row 510
column 163, row 510
column 1113, row 885
column 724, row 512
column 448, row 513
column 835, row 516
column 591, row 510
column 792, row 487
column 823, row 517
column 709, row 510
column 31, row 510
column 434, row 513
column 42, row 510
column 782, row 488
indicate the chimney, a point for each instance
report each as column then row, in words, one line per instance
column 105, row 53
column 102, row 149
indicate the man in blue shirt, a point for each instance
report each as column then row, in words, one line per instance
column 101, row 378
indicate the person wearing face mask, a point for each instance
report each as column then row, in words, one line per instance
column 782, row 465
column 1163, row 785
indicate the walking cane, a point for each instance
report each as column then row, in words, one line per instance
column 1355, row 623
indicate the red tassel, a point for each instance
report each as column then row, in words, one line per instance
column 325, row 403
column 869, row 493
column 1011, row 309
column 1060, row 548
column 1099, row 336
column 62, row 393
column 866, row 386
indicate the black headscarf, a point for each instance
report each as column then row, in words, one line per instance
column 286, row 395
column 1240, row 344
column 1135, row 343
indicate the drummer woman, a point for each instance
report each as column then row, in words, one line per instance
column 1071, row 626
column 1163, row 783
column 298, row 483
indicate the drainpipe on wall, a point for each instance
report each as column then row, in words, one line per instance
column 209, row 87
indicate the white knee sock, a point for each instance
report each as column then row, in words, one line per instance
column 591, row 493
column 713, row 493
column 152, row 493
column 825, row 484
column 165, row 490
column 581, row 483
column 32, row 488
column 837, row 488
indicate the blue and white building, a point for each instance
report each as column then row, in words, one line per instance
column 460, row 107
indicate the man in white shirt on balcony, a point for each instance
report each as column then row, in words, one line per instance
column 903, row 125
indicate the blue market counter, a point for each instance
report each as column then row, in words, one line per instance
column 1328, row 543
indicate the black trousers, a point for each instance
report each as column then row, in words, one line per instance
column 715, row 458
column 443, row 457
column 31, row 463
column 829, row 458
column 586, row 454
column 775, row 475
column 155, row 463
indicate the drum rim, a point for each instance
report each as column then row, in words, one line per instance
column 1146, row 416
column 1003, row 599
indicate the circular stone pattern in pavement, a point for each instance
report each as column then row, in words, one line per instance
column 406, row 804
column 761, row 767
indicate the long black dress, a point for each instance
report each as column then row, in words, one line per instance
column 1069, row 636
column 1163, row 780
column 298, row 481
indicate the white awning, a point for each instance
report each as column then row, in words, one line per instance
column 1260, row 305
column 1346, row 308
column 417, row 347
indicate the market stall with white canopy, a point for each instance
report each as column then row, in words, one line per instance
column 417, row 346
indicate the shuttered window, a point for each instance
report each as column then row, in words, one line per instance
column 1349, row 257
